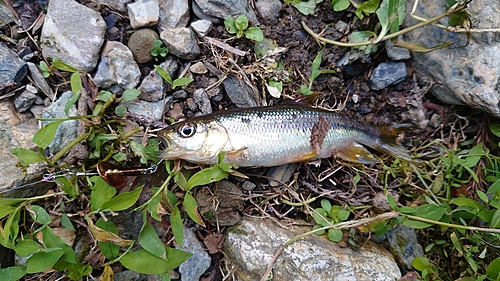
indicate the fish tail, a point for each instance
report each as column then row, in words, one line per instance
column 388, row 142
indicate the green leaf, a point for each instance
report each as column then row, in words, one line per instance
column 407, row 210
column 68, row 186
column 315, row 67
column 66, row 222
column 52, row 241
column 130, row 94
column 474, row 155
column 456, row 243
column 42, row 261
column 181, row 81
column 177, row 228
column 11, row 229
column 40, row 215
column 123, row 200
column 326, row 205
column 495, row 219
column 495, row 187
column 421, row 263
column 74, row 98
column 121, row 111
column 120, row 156
column 206, row 176
column 12, row 273
column 164, row 74
column 101, row 193
column 392, row 202
column 148, row 152
column 26, row 156
column 63, row 66
column 78, row 271
column 383, row 18
column 45, row 135
column 493, row 269
column 397, row 13
column 495, row 129
column 6, row 210
column 191, row 207
column 366, row 8
column 76, row 82
column 340, row 5
column 335, row 235
column 241, row 22
column 149, row 240
column 27, row 247
column 254, row 33
column 416, row 224
column 104, row 96
column 109, row 249
column 144, row 262
column 430, row 211
column 230, row 25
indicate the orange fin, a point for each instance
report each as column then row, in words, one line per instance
column 356, row 153
column 304, row 157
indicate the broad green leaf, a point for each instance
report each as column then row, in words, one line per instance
column 363, row 36
column 177, row 227
column 241, row 22
column 432, row 212
column 12, row 273
column 26, row 156
column 78, row 271
column 144, row 262
column 123, row 201
column 101, row 193
column 63, row 66
column 120, row 156
column 471, row 206
column 180, row 180
column 254, row 33
column 130, row 94
column 192, row 209
column 495, row 219
column 109, row 249
column 416, row 224
column 39, row 214
column 181, row 81
column 230, row 25
column 206, row 176
column 121, row 111
column 305, row 90
column 27, row 247
column 74, row 98
column 149, row 240
column 52, row 241
column 495, row 129
column 383, row 18
column 392, row 202
column 6, row 210
column 397, row 13
column 326, row 205
column 42, row 261
column 474, row 155
column 68, row 185
column 335, row 235
column 421, row 263
column 11, row 229
column 76, row 82
column 154, row 207
column 104, row 96
column 407, row 210
column 164, row 74
column 456, row 243
column 367, row 8
column 482, row 196
column 308, row 7
column 45, row 135
column 66, row 222
column 493, row 269
column 340, row 5
column 495, row 187
column 319, row 232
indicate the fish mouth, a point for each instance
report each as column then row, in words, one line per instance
column 170, row 149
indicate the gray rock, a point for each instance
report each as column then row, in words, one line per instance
column 171, row 66
column 396, row 53
column 73, row 33
column 248, row 185
column 404, row 246
column 153, row 87
column 200, row 97
column 180, row 94
column 141, row 43
column 201, row 27
column 181, row 42
column 251, row 245
column 6, row 16
column 224, row 9
column 229, row 200
column 117, row 70
column 269, row 9
column 17, row 130
column 201, row 15
column 387, row 73
column 239, row 92
column 198, row 68
column 40, row 81
column 173, row 14
column 129, row 275
column 67, row 130
column 120, row 5
column 143, row 13
column 153, row 110
column 198, row 263
column 25, row 100
column 12, row 68
column 468, row 74
column 281, row 173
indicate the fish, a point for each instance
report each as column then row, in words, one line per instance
column 277, row 135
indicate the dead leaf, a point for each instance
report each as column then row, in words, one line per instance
column 318, row 133
column 106, row 236
column 214, row 242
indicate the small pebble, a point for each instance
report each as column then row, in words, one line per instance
column 198, row 68
column 248, row 185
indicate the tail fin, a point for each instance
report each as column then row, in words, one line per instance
column 388, row 142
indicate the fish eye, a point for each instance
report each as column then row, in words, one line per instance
column 187, row 130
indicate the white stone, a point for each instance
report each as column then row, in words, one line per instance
column 143, row 13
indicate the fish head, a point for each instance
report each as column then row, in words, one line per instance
column 197, row 141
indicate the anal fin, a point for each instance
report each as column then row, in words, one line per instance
column 356, row 153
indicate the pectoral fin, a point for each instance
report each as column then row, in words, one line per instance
column 356, row 153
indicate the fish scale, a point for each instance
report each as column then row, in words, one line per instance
column 270, row 136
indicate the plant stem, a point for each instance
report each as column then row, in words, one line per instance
column 162, row 187
column 472, row 228
column 455, row 8
column 68, row 147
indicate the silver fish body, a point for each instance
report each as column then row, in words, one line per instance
column 271, row 136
